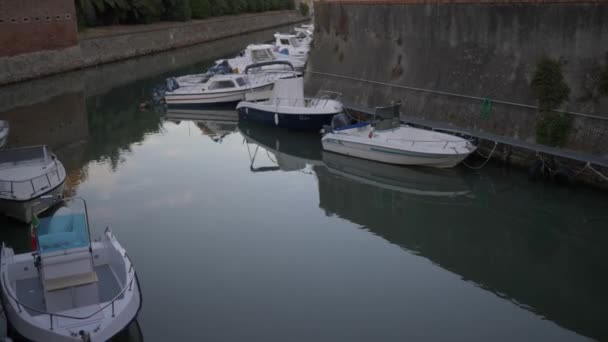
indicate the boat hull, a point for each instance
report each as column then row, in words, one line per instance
column 22, row 210
column 301, row 121
column 212, row 100
column 389, row 155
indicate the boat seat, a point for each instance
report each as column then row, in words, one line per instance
column 61, row 283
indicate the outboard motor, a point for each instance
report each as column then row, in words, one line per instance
column 339, row 120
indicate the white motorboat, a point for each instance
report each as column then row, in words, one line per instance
column 26, row 175
column 288, row 44
column 70, row 288
column 303, row 35
column 4, row 130
column 262, row 53
column 288, row 108
column 402, row 145
column 224, row 90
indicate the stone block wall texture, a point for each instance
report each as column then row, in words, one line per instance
column 477, row 48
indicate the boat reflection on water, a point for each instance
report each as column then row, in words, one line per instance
column 215, row 123
column 132, row 333
column 286, row 150
column 418, row 181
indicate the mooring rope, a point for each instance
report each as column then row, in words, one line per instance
column 485, row 162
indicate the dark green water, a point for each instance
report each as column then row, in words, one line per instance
column 288, row 243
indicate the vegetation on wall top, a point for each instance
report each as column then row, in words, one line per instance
column 114, row 12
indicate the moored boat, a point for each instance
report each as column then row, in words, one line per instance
column 288, row 44
column 288, row 108
column 225, row 90
column 402, row 145
column 262, row 53
column 26, row 175
column 398, row 144
column 70, row 288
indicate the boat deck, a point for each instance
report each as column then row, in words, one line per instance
column 30, row 293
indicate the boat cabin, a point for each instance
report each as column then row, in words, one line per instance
column 226, row 82
column 260, row 53
column 286, row 41
column 28, row 172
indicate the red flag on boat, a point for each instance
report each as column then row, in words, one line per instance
column 34, row 225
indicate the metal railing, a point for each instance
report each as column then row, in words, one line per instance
column 10, row 187
column 447, row 142
column 20, row 305
column 302, row 102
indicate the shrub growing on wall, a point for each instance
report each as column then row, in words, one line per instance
column 200, row 9
column 304, row 10
column 551, row 91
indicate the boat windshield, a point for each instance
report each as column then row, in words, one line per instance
column 262, row 55
column 65, row 228
column 23, row 156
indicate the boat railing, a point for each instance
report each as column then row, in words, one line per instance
column 38, row 184
column 301, row 102
column 447, row 142
column 128, row 287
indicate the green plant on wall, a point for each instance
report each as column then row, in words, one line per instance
column 551, row 91
column 304, row 9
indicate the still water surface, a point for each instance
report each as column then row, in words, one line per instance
column 244, row 233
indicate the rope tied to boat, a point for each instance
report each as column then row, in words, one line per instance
column 485, row 162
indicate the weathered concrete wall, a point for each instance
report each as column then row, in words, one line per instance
column 97, row 49
column 476, row 48
column 105, row 45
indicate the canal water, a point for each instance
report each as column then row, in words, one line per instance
column 245, row 233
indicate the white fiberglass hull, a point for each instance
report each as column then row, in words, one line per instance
column 106, row 320
column 22, row 210
column 404, row 154
column 213, row 99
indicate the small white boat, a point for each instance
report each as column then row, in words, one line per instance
column 303, row 35
column 288, row 108
column 288, row 44
column 223, row 90
column 398, row 144
column 70, row 288
column 26, row 175
column 262, row 53
column 4, row 131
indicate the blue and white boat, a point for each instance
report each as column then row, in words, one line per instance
column 218, row 91
column 70, row 288
column 288, row 108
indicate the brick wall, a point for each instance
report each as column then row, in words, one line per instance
column 36, row 25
